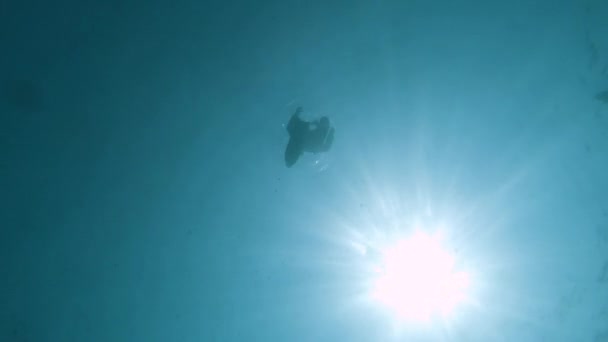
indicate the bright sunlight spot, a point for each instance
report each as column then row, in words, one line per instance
column 416, row 279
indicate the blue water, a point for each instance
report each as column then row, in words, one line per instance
column 145, row 196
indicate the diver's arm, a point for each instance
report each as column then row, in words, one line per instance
column 295, row 123
column 329, row 140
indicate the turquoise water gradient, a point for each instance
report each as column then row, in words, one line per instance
column 145, row 196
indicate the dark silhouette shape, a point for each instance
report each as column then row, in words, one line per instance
column 313, row 137
column 602, row 96
column 23, row 95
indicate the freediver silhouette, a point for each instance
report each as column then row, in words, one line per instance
column 313, row 137
column 602, row 96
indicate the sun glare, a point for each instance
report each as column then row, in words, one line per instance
column 416, row 279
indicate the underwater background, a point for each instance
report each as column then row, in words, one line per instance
column 145, row 196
